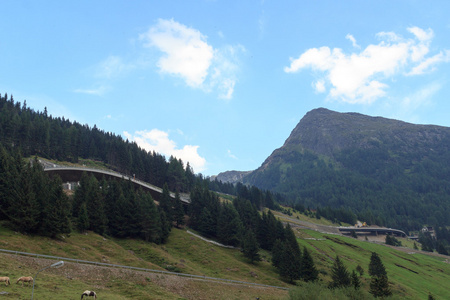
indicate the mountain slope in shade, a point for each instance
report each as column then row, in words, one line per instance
column 392, row 172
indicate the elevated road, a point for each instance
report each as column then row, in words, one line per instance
column 372, row 230
column 73, row 174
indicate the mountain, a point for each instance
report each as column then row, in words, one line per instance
column 386, row 171
column 231, row 176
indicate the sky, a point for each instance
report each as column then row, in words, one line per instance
column 221, row 84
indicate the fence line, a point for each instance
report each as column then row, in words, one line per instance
column 139, row 269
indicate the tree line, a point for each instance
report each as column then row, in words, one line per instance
column 238, row 223
column 33, row 203
column 30, row 201
column 393, row 194
column 41, row 134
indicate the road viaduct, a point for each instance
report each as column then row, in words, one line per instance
column 73, row 174
column 372, row 231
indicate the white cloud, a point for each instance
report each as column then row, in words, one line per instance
column 407, row 108
column 429, row 64
column 319, row 86
column 158, row 141
column 420, row 98
column 360, row 77
column 113, row 66
column 421, row 34
column 227, row 88
column 187, row 54
column 231, row 155
column 105, row 73
column 98, row 91
column 353, row 40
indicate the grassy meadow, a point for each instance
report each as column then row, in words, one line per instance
column 412, row 274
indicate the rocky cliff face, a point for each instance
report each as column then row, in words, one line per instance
column 231, row 176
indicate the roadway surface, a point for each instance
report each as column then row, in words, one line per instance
column 372, row 230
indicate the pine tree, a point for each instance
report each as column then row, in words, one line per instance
column 178, row 211
column 165, row 226
column 292, row 240
column 289, row 267
column 441, row 248
column 149, row 219
column 229, row 226
column 166, row 203
column 56, row 211
column 379, row 284
column 250, row 246
column 360, row 270
column 206, row 223
column 339, row 275
column 83, row 219
column 308, row 271
column 277, row 253
column 80, row 195
column 376, row 267
column 96, row 208
column 24, row 214
column 391, row 240
column 118, row 228
column 355, row 280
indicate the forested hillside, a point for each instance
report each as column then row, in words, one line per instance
column 33, row 203
column 387, row 172
column 37, row 133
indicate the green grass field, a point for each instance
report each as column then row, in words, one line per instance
column 183, row 253
column 412, row 275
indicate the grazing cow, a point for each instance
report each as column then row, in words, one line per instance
column 89, row 294
column 5, row 279
column 23, row 279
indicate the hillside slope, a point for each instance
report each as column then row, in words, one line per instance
column 387, row 171
column 412, row 274
column 183, row 253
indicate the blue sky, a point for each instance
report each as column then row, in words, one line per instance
column 221, row 84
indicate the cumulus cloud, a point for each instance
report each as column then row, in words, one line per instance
column 158, row 141
column 360, row 77
column 187, row 54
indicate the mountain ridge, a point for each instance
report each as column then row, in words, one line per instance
column 382, row 169
column 318, row 143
